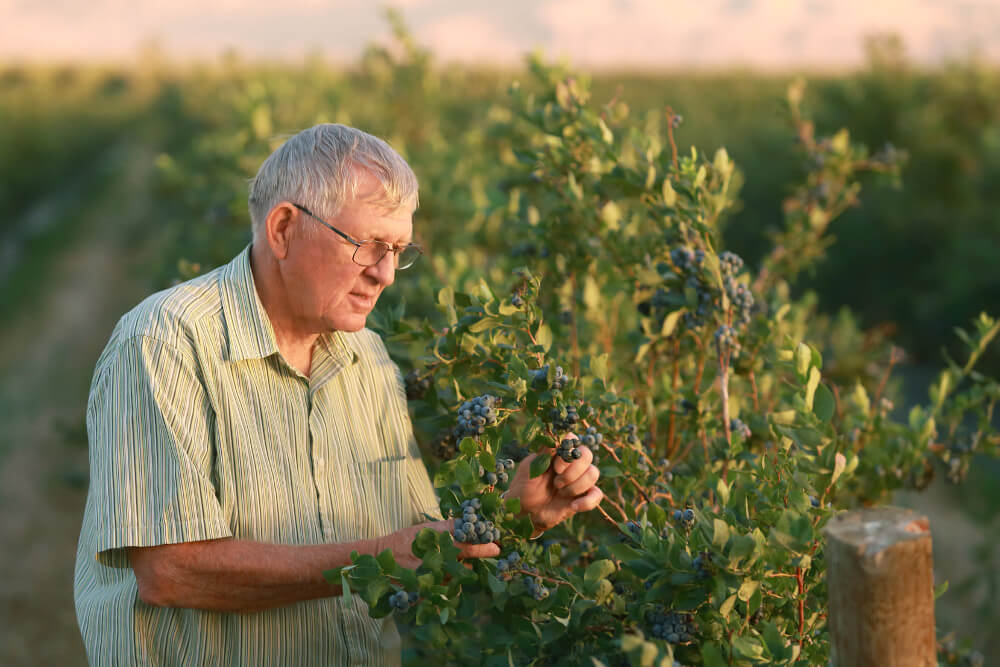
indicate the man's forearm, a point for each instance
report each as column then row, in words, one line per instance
column 244, row 576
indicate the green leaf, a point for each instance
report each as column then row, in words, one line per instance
column 720, row 533
column 386, row 561
column 540, row 464
column 669, row 195
column 543, row 336
column 484, row 324
column 839, row 463
column 742, row 546
column 711, row 656
column 345, row 588
column 727, row 606
column 824, row 403
column 722, row 489
column 748, row 648
column 803, row 359
column 776, row 644
column 657, row 516
column 599, row 367
column 747, row 589
column 446, row 297
column 670, row 322
column 623, row 551
column 599, row 569
column 611, row 215
column 940, row 589
column 811, row 385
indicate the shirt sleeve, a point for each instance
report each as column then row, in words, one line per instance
column 149, row 425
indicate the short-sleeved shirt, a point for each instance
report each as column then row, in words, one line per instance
column 200, row 430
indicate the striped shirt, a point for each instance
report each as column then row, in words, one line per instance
column 200, row 430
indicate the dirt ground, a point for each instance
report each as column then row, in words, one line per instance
column 47, row 355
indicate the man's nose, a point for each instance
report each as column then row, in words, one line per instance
column 385, row 270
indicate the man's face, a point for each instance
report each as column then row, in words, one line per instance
column 328, row 289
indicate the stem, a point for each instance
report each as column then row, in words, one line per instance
column 802, row 606
column 650, row 381
column 673, row 396
column 608, row 518
column 670, row 135
column 626, row 475
column 753, row 385
column 554, row 580
column 574, row 342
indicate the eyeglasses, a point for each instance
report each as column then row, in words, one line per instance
column 371, row 252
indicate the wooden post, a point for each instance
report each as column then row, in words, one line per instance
column 881, row 586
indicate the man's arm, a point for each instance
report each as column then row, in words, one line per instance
column 244, row 576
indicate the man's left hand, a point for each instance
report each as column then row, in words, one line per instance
column 560, row 492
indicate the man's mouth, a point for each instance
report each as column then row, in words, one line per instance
column 363, row 300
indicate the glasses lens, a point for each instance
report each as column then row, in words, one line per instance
column 370, row 253
column 407, row 256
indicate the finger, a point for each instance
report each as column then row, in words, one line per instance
column 582, row 483
column 488, row 550
column 588, row 501
column 558, row 465
column 573, row 471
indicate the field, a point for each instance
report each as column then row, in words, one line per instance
column 117, row 183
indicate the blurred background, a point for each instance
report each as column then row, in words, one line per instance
column 128, row 131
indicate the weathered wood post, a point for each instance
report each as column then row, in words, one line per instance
column 881, row 585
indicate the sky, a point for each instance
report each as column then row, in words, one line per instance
column 649, row 34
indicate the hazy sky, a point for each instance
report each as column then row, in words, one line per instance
column 608, row 33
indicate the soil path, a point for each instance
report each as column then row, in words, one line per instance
column 47, row 355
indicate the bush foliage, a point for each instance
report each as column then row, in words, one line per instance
column 579, row 275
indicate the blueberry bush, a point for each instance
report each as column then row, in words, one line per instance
column 696, row 381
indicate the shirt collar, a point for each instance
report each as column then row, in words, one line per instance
column 248, row 329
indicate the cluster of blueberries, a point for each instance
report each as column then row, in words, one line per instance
column 662, row 466
column 475, row 415
column 444, row 445
column 701, row 563
column 739, row 295
column 671, row 626
column 741, row 298
column 591, row 438
column 536, row 588
column 685, row 258
column 401, row 601
column 730, row 263
column 568, row 449
column 633, row 434
column 684, row 517
column 690, row 262
column 472, row 527
column 517, row 301
column 565, row 422
column 505, row 565
column 737, row 426
column 726, row 338
column 500, row 473
column 540, row 378
column 416, row 386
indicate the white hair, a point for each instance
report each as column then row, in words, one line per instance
column 319, row 169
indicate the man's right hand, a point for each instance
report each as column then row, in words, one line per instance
column 402, row 544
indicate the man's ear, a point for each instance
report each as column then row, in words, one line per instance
column 279, row 227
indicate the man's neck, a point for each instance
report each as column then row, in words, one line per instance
column 295, row 346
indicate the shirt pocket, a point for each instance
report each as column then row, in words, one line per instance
column 380, row 501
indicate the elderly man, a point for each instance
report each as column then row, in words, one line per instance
column 247, row 433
